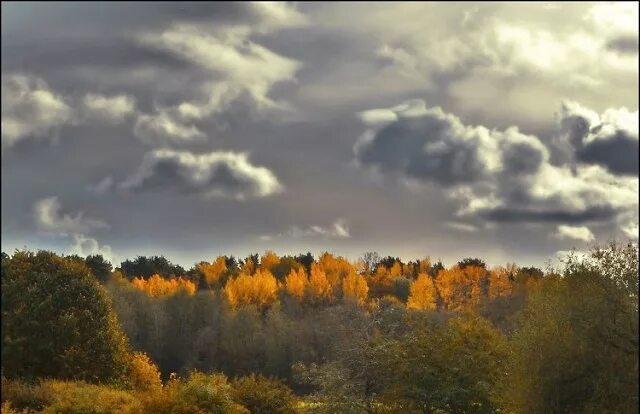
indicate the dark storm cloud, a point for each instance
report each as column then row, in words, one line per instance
column 624, row 44
column 507, row 215
column 618, row 152
column 609, row 140
column 214, row 174
column 425, row 148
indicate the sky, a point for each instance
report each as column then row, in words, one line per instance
column 506, row 131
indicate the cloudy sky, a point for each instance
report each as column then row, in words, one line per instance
column 503, row 131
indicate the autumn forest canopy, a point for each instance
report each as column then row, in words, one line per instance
column 288, row 334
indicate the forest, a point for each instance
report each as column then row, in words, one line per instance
column 305, row 334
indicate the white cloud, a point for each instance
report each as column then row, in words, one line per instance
column 30, row 109
column 161, row 128
column 48, row 217
column 277, row 15
column 213, row 174
column 465, row 227
column 84, row 246
column 113, row 109
column 630, row 230
column 241, row 70
column 495, row 53
column 581, row 233
column 337, row 230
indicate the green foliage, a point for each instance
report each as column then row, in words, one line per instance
column 262, row 395
column 577, row 348
column 57, row 321
column 448, row 367
column 401, row 288
column 145, row 267
column 470, row 261
column 209, row 393
column 100, row 267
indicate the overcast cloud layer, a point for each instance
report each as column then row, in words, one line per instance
column 504, row 131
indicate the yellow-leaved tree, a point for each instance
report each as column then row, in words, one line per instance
column 501, row 281
column 268, row 261
column 214, row 271
column 335, row 269
column 354, row 286
column 259, row 289
column 319, row 284
column 157, row 286
column 422, row 293
column 461, row 288
column 296, row 283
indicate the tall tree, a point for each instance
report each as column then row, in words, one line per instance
column 57, row 321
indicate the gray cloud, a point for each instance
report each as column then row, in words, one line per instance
column 499, row 176
column 624, row 44
column 214, row 174
column 431, row 145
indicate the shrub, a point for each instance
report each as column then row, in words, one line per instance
column 262, row 395
column 83, row 398
column 144, row 374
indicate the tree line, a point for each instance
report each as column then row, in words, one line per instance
column 325, row 334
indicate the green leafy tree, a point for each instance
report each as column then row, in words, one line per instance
column 448, row 367
column 100, row 267
column 577, row 347
column 57, row 321
column 471, row 261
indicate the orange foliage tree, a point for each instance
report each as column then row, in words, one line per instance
column 319, row 284
column 296, row 283
column 157, row 286
column 249, row 267
column 354, row 286
column 335, row 269
column 381, row 282
column 268, row 261
column 422, row 293
column 462, row 288
column 259, row 289
column 214, row 271
column 501, row 281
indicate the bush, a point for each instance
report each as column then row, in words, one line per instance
column 19, row 396
column 83, row 398
column 200, row 393
column 144, row 374
column 262, row 395
column 66, row 397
